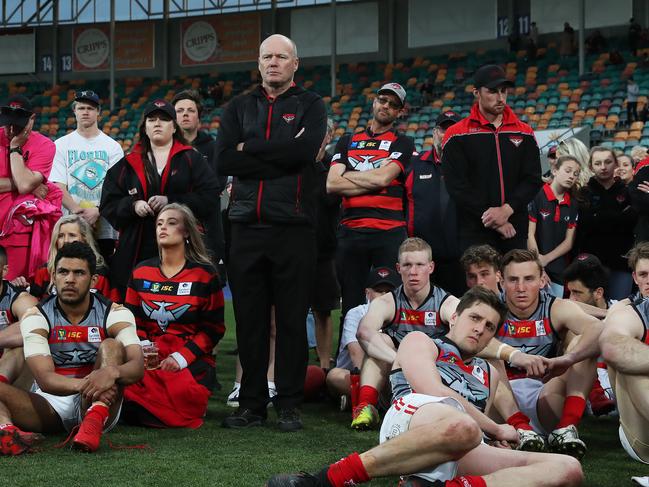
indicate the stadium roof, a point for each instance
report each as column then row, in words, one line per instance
column 25, row 13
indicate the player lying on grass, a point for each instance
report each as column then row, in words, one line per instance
column 435, row 434
column 81, row 349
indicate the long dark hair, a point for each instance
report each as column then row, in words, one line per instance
column 145, row 146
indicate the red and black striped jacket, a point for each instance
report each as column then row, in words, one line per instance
column 365, row 151
column 188, row 305
column 487, row 167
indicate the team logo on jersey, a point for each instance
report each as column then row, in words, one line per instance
column 146, row 284
column 288, row 117
column 370, row 144
column 165, row 312
column 478, row 373
column 365, row 163
column 184, row 289
column 94, row 336
column 540, row 328
column 544, row 213
column 516, row 140
column 425, row 176
column 353, row 145
column 620, row 198
column 155, row 287
column 132, row 191
column 395, row 155
column 361, row 144
column 385, row 145
column 430, row 318
column 61, row 334
column 4, row 318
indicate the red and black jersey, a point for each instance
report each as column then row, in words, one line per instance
column 41, row 286
column 188, row 305
column 553, row 219
column 365, row 151
column 9, row 295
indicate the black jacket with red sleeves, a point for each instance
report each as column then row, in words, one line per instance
column 274, row 174
column 186, row 179
column 486, row 167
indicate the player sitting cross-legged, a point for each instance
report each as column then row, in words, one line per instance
column 81, row 349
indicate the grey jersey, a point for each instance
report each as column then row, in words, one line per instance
column 534, row 335
column 469, row 379
column 74, row 347
column 642, row 308
column 425, row 318
column 9, row 295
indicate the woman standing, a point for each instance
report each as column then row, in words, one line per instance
column 178, row 305
column 161, row 169
column 606, row 220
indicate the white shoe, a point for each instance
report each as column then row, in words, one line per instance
column 233, row 397
column 529, row 440
column 566, row 441
column 644, row 481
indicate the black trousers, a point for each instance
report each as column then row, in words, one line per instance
column 357, row 253
column 271, row 266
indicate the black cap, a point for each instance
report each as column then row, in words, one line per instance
column 491, row 76
column 89, row 96
column 160, row 105
column 447, row 118
column 552, row 152
column 382, row 275
column 16, row 111
column 588, row 259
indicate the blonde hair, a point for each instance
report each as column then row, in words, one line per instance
column 578, row 150
column 195, row 249
column 415, row 244
column 85, row 230
column 638, row 152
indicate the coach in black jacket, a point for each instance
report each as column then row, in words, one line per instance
column 268, row 141
column 492, row 167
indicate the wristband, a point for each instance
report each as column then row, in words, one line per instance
column 17, row 150
column 509, row 360
column 500, row 349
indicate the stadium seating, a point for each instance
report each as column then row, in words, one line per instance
column 549, row 94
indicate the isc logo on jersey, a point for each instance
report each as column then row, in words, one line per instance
column 430, row 318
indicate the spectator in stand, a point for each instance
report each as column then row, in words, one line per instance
column 350, row 355
column 534, row 33
column 492, row 167
column 427, row 90
column 615, row 58
column 326, row 290
column 635, row 30
column 595, row 42
column 553, row 222
column 189, row 109
column 269, row 140
column 567, row 46
column 431, row 212
column 624, row 170
column 607, row 220
column 368, row 169
column 29, row 204
column 577, row 149
column 160, row 169
column 632, row 92
column 81, row 161
column 481, row 265
column 69, row 228
column 178, row 305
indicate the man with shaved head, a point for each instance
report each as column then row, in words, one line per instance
column 268, row 141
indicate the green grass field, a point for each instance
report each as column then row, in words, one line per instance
column 213, row 456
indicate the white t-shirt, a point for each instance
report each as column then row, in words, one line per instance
column 81, row 164
column 352, row 320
